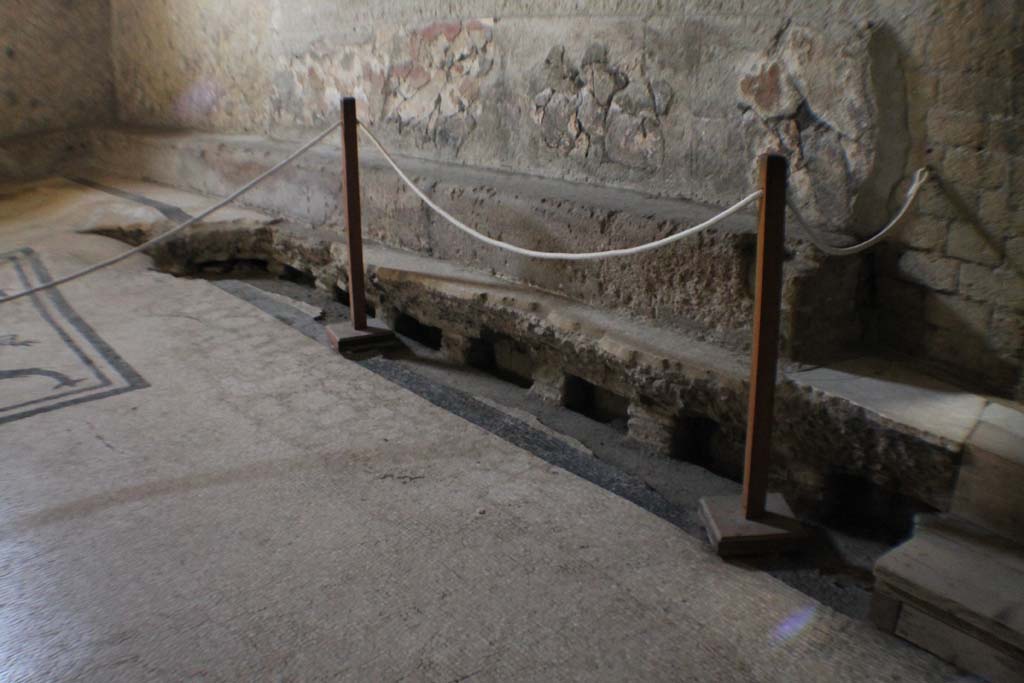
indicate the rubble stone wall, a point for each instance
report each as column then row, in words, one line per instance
column 676, row 98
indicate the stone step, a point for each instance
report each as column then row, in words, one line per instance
column 990, row 489
column 704, row 283
column 957, row 591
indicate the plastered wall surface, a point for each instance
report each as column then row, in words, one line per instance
column 677, row 103
column 673, row 98
column 55, row 65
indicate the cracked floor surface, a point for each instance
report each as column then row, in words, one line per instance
column 836, row 569
column 259, row 510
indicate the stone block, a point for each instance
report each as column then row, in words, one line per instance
column 952, row 312
column 960, row 589
column 1015, row 254
column 931, row 271
column 1016, row 187
column 932, row 201
column 652, row 425
column 992, row 474
column 971, row 92
column 956, row 348
column 1006, row 333
column 926, row 233
column 966, row 168
column 995, row 212
column 956, row 646
column 955, row 128
column 925, row 86
column 549, row 384
column 456, row 348
column 1002, row 286
column 1006, row 136
column 972, row 243
column 513, row 359
column 994, row 171
column 900, row 318
column 970, row 39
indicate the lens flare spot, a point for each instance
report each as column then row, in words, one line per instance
column 198, row 100
column 794, row 624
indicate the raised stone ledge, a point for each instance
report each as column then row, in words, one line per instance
column 37, row 155
column 897, row 433
column 701, row 286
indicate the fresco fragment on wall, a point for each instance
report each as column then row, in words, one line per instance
column 817, row 104
column 601, row 109
column 426, row 80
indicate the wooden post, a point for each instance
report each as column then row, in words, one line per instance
column 764, row 357
column 353, row 213
column 758, row 522
column 358, row 336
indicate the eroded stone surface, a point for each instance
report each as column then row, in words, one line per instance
column 703, row 285
column 821, row 433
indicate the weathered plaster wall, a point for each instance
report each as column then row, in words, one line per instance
column 55, row 66
column 675, row 98
column 194, row 63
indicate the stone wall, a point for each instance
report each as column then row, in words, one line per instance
column 675, row 98
column 950, row 287
column 55, row 66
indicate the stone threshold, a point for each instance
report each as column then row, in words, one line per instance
column 958, row 592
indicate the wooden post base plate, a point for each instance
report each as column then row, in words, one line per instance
column 732, row 534
column 348, row 340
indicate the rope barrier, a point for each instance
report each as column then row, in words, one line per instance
column 554, row 255
column 920, row 178
column 175, row 230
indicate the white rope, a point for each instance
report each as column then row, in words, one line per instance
column 553, row 255
column 175, row 230
column 920, row 178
